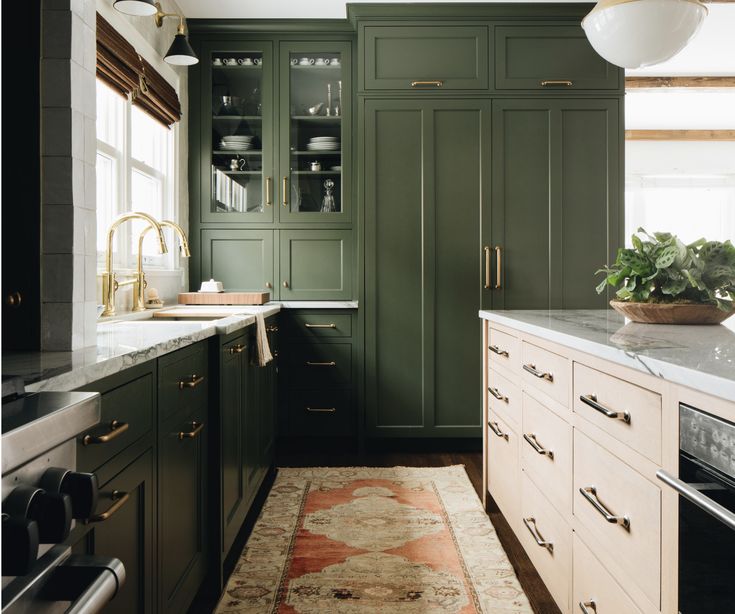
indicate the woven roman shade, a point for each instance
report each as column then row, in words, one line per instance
column 120, row 65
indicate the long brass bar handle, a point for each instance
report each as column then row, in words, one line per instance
column 495, row 428
column 437, row 83
column 487, row 266
column 588, row 607
column 331, row 363
column 193, row 381
column 237, row 349
column 330, row 325
column 590, row 493
column 497, row 394
column 496, row 350
column 196, row 429
column 499, row 266
column 553, row 82
column 116, row 429
column 549, row 377
column 120, row 498
column 531, row 439
column 537, row 537
column 322, row 410
column 268, row 191
column 591, row 400
column 285, row 191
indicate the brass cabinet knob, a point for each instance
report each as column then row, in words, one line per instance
column 285, row 284
column 268, row 284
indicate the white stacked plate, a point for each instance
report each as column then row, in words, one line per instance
column 323, row 143
column 238, row 142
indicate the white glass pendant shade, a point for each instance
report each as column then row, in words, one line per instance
column 636, row 33
column 136, row 8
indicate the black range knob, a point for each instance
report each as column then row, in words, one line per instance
column 20, row 545
column 81, row 487
column 51, row 511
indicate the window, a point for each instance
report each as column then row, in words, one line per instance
column 135, row 172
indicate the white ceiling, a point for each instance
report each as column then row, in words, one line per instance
column 712, row 52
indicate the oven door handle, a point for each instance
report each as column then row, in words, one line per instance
column 713, row 508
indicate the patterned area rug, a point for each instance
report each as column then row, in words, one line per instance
column 362, row 540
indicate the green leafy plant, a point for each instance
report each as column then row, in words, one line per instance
column 659, row 268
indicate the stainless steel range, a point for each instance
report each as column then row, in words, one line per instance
column 42, row 498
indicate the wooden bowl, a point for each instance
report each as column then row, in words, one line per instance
column 673, row 313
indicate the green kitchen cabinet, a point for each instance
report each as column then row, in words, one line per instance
column 550, row 57
column 315, row 264
column 240, row 259
column 427, row 178
column 556, row 215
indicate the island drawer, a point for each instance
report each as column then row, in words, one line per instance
column 546, row 453
column 503, row 467
column 504, row 398
column 547, row 539
column 183, row 380
column 503, row 350
column 321, row 413
column 627, row 412
column 319, row 365
column 622, row 511
column 547, row 372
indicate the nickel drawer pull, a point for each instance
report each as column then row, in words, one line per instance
column 436, row 83
column 495, row 428
column 591, row 400
column 487, row 266
column 549, row 377
column 531, row 439
column 331, row 363
column 196, row 428
column 538, row 538
column 590, row 493
column 322, row 410
column 237, row 349
column 496, row 350
column 193, row 381
column 552, row 82
column 331, row 325
column 119, row 499
column 116, row 429
column 588, row 607
column 498, row 395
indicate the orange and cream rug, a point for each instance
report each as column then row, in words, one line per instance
column 363, row 540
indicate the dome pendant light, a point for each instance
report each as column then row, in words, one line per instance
column 136, row 8
column 180, row 52
column 637, row 33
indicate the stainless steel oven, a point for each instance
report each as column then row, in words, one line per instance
column 706, row 485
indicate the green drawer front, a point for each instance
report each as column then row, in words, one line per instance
column 397, row 56
column 320, row 413
column 183, row 380
column 534, row 57
column 314, row 325
column 319, row 365
column 132, row 404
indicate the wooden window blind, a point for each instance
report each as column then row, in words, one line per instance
column 119, row 65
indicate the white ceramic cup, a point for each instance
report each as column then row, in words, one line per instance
column 229, row 61
column 245, row 61
column 320, row 62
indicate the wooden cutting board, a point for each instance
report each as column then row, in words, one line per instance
column 224, row 298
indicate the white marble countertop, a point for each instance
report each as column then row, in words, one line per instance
column 699, row 357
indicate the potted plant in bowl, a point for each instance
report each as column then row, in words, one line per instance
column 660, row 280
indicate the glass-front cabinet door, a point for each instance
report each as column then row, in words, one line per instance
column 237, row 133
column 315, row 120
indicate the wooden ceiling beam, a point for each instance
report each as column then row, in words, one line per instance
column 680, row 135
column 656, row 82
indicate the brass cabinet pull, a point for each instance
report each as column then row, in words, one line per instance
column 499, row 267
column 285, row 284
column 591, row 400
column 116, row 429
column 268, row 285
column 285, row 191
column 487, row 266
column 497, row 394
column 590, row 493
column 14, row 299
column 330, row 325
column 552, row 82
column 322, row 410
column 495, row 428
column 531, row 439
column 120, row 498
column 437, row 83
column 538, row 538
column 268, row 191
column 237, row 349
column 196, row 428
column 331, row 363
column 271, row 329
column 193, row 381
column 588, row 607
column 496, row 350
column 549, row 377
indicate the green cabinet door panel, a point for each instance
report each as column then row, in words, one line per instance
column 315, row 264
column 397, row 56
column 533, row 57
column 240, row 259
